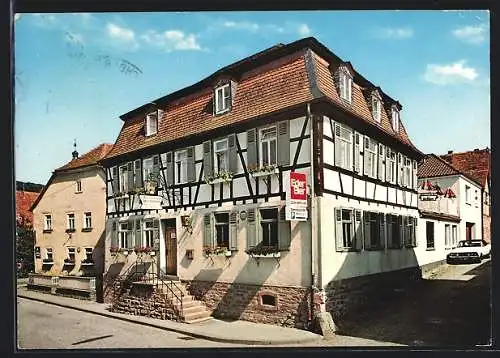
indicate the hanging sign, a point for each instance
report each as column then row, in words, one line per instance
column 296, row 196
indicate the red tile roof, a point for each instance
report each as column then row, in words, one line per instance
column 434, row 166
column 89, row 158
column 476, row 163
column 24, row 200
column 270, row 81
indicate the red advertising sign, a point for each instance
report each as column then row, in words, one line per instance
column 298, row 186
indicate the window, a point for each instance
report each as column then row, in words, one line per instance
column 124, row 235
column 447, row 236
column 429, row 234
column 222, row 99
column 371, row 230
column 411, row 235
column 181, row 166
column 454, row 236
column 221, row 155
column 88, row 253
column 71, row 254
column 345, row 85
column 123, row 179
column 78, row 186
column 268, row 146
column 268, row 300
column 407, row 173
column 343, row 146
column 49, row 254
column 393, row 231
column 150, row 232
column 370, row 158
column 269, row 227
column 222, row 229
column 87, row 221
column 376, row 108
column 467, row 194
column 390, row 166
column 476, row 198
column 395, row 119
column 47, row 223
column 71, row 221
column 151, row 123
column 345, row 232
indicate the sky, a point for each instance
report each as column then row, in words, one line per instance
column 76, row 73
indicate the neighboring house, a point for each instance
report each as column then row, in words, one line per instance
column 477, row 164
column 224, row 150
column 439, row 205
column 24, row 201
column 69, row 217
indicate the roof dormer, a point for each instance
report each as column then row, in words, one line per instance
column 395, row 118
column 343, row 78
column 375, row 104
column 152, row 121
column 223, row 96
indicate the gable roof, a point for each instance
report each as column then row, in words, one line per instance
column 476, row 163
column 434, row 166
column 92, row 157
column 273, row 80
column 24, row 201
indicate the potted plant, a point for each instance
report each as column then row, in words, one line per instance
column 262, row 250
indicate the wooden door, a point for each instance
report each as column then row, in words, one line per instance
column 171, row 245
column 468, row 231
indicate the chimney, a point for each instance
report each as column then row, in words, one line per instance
column 75, row 153
column 450, row 152
column 476, row 150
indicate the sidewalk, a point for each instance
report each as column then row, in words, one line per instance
column 240, row 332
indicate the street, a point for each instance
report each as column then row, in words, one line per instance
column 451, row 309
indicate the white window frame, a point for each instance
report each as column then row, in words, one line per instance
column 264, row 221
column 345, row 228
column 371, row 153
column 433, row 224
column 89, row 251
column 181, row 169
column 267, row 142
column 87, row 220
column 47, row 225
column 151, row 125
column 70, row 221
column 454, row 235
column 346, row 144
column 393, row 166
column 376, row 109
column 447, row 236
column 225, row 224
column 147, row 168
column 78, row 186
column 395, row 119
column 148, row 238
column 72, row 252
column 406, row 172
column 345, row 85
column 224, row 153
column 123, row 178
column 123, row 235
column 224, row 92
column 49, row 251
column 467, row 194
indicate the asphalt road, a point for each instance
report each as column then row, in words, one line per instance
column 451, row 309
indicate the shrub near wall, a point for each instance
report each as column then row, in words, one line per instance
column 248, row 302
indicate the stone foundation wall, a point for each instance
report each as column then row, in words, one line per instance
column 144, row 300
column 350, row 296
column 427, row 269
column 242, row 301
column 487, row 228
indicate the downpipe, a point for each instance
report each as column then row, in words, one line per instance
column 312, row 218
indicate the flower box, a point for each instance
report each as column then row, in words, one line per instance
column 48, row 262
column 87, row 229
column 263, row 251
column 70, row 230
column 275, row 254
column 221, row 177
column 263, row 171
column 217, row 251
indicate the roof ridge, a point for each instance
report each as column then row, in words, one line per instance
column 467, row 175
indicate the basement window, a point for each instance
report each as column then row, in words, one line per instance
column 269, row 301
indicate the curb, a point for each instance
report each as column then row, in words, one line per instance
column 176, row 330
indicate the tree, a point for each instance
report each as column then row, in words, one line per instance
column 25, row 242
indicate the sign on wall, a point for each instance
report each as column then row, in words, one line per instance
column 296, row 196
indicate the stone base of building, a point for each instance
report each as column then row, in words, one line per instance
column 429, row 268
column 144, row 300
column 350, row 296
column 283, row 306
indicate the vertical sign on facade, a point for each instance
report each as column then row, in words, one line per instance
column 296, row 196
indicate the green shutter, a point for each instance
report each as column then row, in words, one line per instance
column 115, row 180
column 233, row 230
column 207, row 230
column 381, row 162
column 284, row 143
column 336, row 138
column 170, row 169
column 130, row 176
column 356, row 152
column 339, row 244
column 283, row 231
column 401, row 231
column 366, row 229
column 114, row 234
column 252, row 227
column 252, row 156
column 208, row 168
column 138, row 233
column 156, row 169
column 232, row 153
column 358, row 230
column 365, row 155
column 381, row 221
column 387, row 164
column 191, row 169
column 138, row 173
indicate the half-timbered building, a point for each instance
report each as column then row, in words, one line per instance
column 203, row 174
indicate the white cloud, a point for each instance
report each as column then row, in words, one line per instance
column 449, row 74
column 395, row 33
column 304, row 30
column 242, row 25
column 471, row 34
column 17, row 16
column 172, row 40
column 121, row 34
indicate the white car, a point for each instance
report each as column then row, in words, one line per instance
column 469, row 250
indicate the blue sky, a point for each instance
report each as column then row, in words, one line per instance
column 77, row 73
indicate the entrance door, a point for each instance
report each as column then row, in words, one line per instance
column 468, row 231
column 171, row 245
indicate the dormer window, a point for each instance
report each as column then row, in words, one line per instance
column 151, row 123
column 345, row 84
column 395, row 119
column 222, row 99
column 376, row 108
